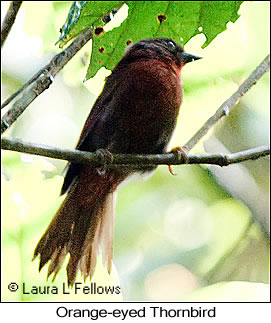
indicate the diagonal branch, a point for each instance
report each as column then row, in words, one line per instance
column 42, row 80
column 9, row 20
column 230, row 103
column 134, row 160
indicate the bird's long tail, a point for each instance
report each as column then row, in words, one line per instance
column 82, row 225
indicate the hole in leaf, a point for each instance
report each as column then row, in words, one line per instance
column 101, row 50
column 98, row 31
column 161, row 18
column 128, row 42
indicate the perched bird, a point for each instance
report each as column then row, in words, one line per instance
column 136, row 113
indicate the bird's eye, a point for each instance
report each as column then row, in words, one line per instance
column 171, row 44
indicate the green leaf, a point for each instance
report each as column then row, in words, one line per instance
column 147, row 19
column 214, row 17
column 180, row 20
column 82, row 15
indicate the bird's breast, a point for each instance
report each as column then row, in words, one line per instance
column 151, row 98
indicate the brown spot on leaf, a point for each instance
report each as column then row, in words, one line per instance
column 161, row 18
column 101, row 50
column 98, row 31
column 128, row 42
column 100, row 62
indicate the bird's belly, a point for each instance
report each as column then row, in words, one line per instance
column 150, row 133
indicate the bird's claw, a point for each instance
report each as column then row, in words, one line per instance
column 171, row 170
column 105, row 157
column 181, row 154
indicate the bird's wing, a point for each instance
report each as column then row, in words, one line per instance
column 96, row 133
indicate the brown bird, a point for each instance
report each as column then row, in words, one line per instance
column 136, row 113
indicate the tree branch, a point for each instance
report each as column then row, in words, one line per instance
column 230, row 103
column 9, row 20
column 41, row 80
column 134, row 160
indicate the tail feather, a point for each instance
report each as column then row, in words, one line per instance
column 57, row 236
column 58, row 258
column 90, row 251
column 83, row 243
column 82, row 225
column 106, row 232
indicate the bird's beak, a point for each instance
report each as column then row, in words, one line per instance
column 189, row 57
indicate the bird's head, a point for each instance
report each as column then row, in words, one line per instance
column 163, row 48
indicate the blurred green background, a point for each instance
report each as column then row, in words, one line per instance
column 174, row 235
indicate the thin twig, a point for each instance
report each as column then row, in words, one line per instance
column 134, row 160
column 230, row 103
column 105, row 19
column 42, row 80
column 29, row 82
column 9, row 20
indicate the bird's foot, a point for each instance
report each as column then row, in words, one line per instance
column 181, row 154
column 105, row 157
